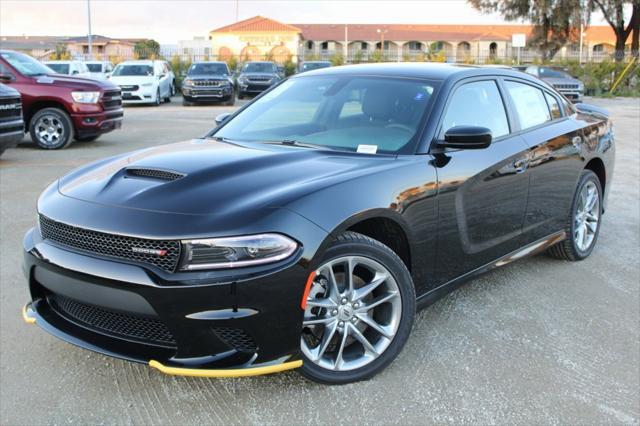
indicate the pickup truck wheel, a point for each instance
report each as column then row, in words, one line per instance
column 359, row 311
column 51, row 128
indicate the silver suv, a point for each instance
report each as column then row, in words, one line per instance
column 571, row 88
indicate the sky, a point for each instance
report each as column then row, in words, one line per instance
column 168, row 21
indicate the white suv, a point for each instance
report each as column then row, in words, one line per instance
column 76, row 68
column 100, row 70
column 144, row 81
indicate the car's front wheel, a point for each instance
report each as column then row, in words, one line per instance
column 583, row 223
column 359, row 311
column 51, row 128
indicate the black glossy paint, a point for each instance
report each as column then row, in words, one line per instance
column 454, row 213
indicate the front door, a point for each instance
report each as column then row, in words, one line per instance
column 482, row 195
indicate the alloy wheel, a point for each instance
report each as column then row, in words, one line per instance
column 49, row 130
column 352, row 313
column 586, row 217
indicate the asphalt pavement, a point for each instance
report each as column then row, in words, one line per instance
column 538, row 341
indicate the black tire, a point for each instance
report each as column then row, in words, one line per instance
column 56, row 115
column 158, row 99
column 168, row 98
column 186, row 102
column 568, row 249
column 87, row 138
column 352, row 243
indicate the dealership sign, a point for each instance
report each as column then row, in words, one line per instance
column 518, row 40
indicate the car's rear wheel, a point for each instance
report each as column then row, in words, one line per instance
column 359, row 311
column 51, row 128
column 583, row 224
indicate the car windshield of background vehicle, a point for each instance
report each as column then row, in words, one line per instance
column 551, row 73
column 95, row 67
column 25, row 64
column 341, row 113
column 133, row 70
column 258, row 67
column 208, row 69
column 59, row 68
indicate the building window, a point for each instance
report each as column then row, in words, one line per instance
column 309, row 45
column 364, row 45
column 415, row 45
column 324, row 46
column 85, row 49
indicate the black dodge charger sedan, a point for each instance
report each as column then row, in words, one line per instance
column 308, row 227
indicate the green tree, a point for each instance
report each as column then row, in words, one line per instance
column 337, row 59
column 147, row 49
column 61, row 52
column 554, row 21
column 613, row 12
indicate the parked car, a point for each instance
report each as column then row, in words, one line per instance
column 314, row 65
column 570, row 87
column 11, row 123
column 144, row 81
column 305, row 230
column 58, row 109
column 77, row 68
column 206, row 82
column 256, row 77
column 99, row 70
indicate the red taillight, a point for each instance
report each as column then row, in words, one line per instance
column 307, row 289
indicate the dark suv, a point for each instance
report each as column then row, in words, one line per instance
column 256, row 77
column 11, row 124
column 207, row 82
column 57, row 108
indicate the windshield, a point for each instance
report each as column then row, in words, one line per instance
column 551, row 73
column 308, row 66
column 133, row 70
column 95, row 67
column 336, row 112
column 25, row 64
column 259, row 67
column 208, row 69
column 59, row 68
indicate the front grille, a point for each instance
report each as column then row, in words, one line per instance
column 566, row 86
column 236, row 338
column 207, row 83
column 10, row 108
column 130, row 88
column 115, row 324
column 118, row 246
column 112, row 99
column 259, row 79
column 155, row 174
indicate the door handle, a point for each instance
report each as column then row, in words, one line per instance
column 520, row 165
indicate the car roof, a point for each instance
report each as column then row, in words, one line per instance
column 61, row 61
column 260, row 62
column 209, row 62
column 138, row 62
column 424, row 70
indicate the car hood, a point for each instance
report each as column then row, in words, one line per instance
column 215, row 177
column 208, row 77
column 257, row 74
column 554, row 81
column 131, row 79
column 74, row 82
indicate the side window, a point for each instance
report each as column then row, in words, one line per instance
column 553, row 106
column 530, row 104
column 477, row 104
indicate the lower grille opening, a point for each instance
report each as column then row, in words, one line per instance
column 111, row 323
column 236, row 338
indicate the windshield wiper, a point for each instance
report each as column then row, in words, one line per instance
column 294, row 142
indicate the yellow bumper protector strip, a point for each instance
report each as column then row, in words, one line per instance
column 26, row 317
column 238, row 372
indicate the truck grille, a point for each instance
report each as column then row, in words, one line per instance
column 130, row 88
column 10, row 108
column 208, row 83
column 259, row 79
column 112, row 99
column 115, row 324
column 566, row 86
column 163, row 254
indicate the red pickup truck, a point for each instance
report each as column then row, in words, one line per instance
column 59, row 109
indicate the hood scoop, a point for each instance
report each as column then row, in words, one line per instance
column 159, row 174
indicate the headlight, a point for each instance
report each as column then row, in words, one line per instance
column 234, row 252
column 188, row 82
column 86, row 97
column 146, row 85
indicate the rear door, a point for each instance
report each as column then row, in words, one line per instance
column 555, row 140
column 482, row 194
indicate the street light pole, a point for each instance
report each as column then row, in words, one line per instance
column 89, row 21
column 382, row 33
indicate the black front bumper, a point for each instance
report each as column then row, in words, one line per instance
column 129, row 311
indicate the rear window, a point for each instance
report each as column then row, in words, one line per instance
column 95, row 67
column 530, row 104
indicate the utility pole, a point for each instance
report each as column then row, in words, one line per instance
column 89, row 21
column 346, row 43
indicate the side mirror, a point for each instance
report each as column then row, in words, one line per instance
column 222, row 118
column 6, row 78
column 467, row 137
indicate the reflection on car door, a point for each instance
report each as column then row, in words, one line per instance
column 555, row 141
column 482, row 192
